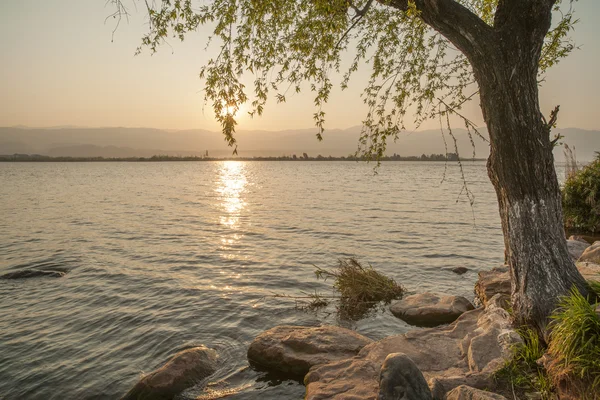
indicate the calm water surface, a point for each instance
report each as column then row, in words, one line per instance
column 164, row 256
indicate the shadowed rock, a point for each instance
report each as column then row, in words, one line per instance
column 400, row 379
column 460, row 270
column 468, row 393
column 492, row 282
column 35, row 273
column 184, row 370
column 294, row 349
column 577, row 248
column 429, row 309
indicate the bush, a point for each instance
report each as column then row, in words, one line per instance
column 360, row 288
column 581, row 199
column 575, row 346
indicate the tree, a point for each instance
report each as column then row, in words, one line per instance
column 428, row 57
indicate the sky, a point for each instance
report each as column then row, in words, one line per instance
column 59, row 66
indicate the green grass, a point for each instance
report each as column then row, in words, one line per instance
column 575, row 345
column 361, row 288
column 573, row 351
column 522, row 373
column 595, row 286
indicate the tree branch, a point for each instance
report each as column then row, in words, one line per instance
column 458, row 24
column 524, row 24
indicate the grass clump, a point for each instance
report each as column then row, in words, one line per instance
column 575, row 346
column 572, row 359
column 581, row 199
column 360, row 288
column 522, row 372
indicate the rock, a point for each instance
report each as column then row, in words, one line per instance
column 460, row 270
column 466, row 352
column 400, row 379
column 591, row 254
column 576, row 248
column 464, row 392
column 34, row 273
column 580, row 238
column 294, row 349
column 437, row 389
column 589, row 270
column 184, row 370
column 492, row 282
column 429, row 309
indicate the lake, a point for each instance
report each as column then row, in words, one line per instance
column 164, row 256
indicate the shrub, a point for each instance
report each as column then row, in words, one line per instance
column 360, row 287
column 575, row 346
column 581, row 198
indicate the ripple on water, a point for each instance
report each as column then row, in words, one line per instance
column 167, row 256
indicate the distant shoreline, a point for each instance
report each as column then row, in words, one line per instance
column 40, row 158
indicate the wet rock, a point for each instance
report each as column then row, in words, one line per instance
column 295, row 349
column 460, row 270
column 580, row 238
column 400, row 379
column 591, row 254
column 492, row 282
column 184, row 370
column 34, row 273
column 467, row 352
column 576, row 248
column 430, row 309
column 468, row 393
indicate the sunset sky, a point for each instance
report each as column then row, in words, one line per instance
column 59, row 67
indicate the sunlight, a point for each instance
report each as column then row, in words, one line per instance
column 231, row 186
column 237, row 111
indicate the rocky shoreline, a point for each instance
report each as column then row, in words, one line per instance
column 455, row 358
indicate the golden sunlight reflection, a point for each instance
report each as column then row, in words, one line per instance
column 230, row 187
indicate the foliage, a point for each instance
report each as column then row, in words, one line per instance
column 289, row 45
column 522, row 371
column 575, row 345
column 595, row 286
column 360, row 287
column 581, row 199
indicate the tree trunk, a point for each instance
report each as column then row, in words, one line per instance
column 521, row 168
column 505, row 58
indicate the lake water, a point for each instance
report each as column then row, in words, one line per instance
column 164, row 256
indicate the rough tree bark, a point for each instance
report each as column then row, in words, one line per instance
column 505, row 59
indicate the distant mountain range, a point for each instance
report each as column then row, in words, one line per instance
column 146, row 142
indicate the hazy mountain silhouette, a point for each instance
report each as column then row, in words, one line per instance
column 145, row 142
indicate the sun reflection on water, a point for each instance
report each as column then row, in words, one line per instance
column 231, row 190
column 230, row 187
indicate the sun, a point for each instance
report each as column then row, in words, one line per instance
column 236, row 110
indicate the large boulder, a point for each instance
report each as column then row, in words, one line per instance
column 184, row 370
column 294, row 349
column 464, row 392
column 400, row 379
column 467, row 352
column 430, row 309
column 591, row 254
column 490, row 283
column 577, row 247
